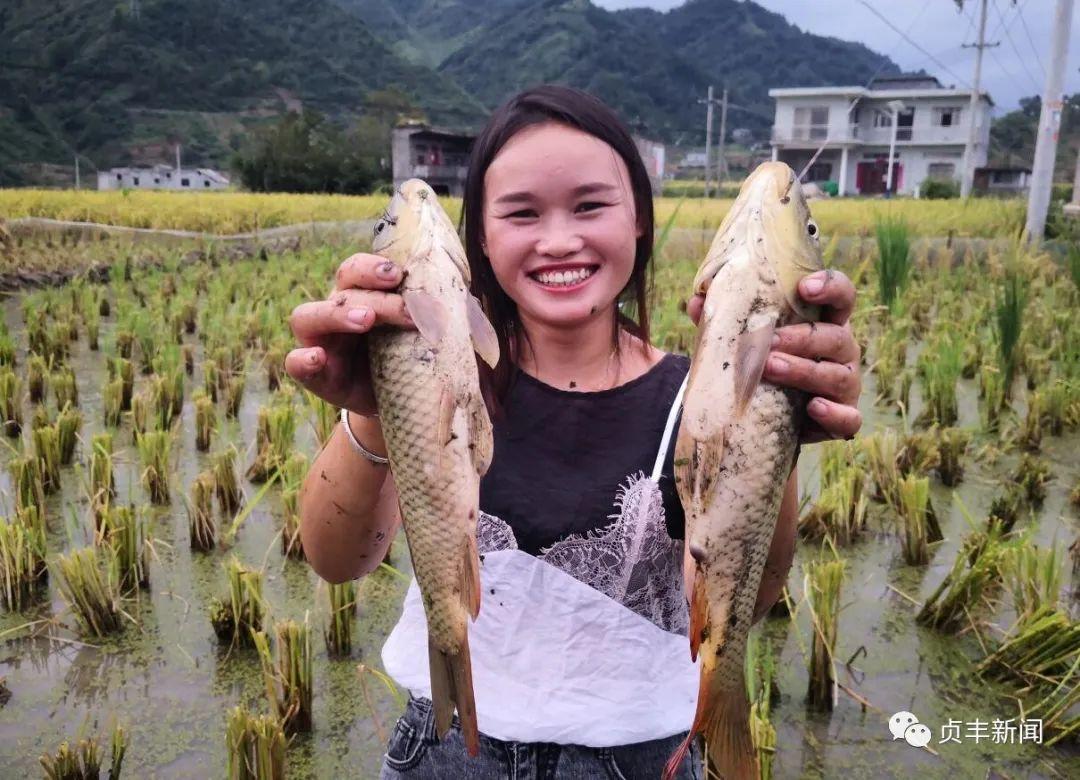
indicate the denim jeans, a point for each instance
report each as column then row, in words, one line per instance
column 416, row 752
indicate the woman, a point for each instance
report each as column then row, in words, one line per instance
column 580, row 659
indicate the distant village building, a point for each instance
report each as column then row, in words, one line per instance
column 441, row 158
column 162, row 177
column 1003, row 180
column 931, row 132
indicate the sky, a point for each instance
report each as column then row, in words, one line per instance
column 1012, row 70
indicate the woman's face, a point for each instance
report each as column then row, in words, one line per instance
column 559, row 224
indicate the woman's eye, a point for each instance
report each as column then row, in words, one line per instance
column 523, row 214
column 591, row 206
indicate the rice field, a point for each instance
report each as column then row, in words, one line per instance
column 231, row 212
column 155, row 606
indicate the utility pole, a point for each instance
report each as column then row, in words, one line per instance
column 973, row 110
column 708, row 138
column 1042, row 173
column 721, row 161
column 77, row 183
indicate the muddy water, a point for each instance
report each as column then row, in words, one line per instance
column 169, row 683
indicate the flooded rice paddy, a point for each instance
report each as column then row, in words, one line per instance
column 169, row 681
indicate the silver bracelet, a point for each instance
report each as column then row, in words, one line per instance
column 356, row 445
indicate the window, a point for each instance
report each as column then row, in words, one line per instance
column 168, row 175
column 184, row 183
column 941, row 170
column 206, row 184
column 135, row 181
column 119, row 177
column 819, row 172
column 811, row 123
column 421, row 159
column 882, row 118
column 948, row 116
column 157, row 180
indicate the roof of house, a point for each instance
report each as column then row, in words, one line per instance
column 892, row 91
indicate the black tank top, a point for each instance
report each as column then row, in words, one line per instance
column 561, row 455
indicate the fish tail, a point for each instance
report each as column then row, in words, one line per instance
column 723, row 717
column 451, row 687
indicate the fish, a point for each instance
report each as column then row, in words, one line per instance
column 737, row 444
column 437, row 430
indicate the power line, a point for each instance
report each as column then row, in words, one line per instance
column 907, row 38
column 1027, row 32
column 1012, row 44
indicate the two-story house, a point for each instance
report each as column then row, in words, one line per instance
column 855, row 126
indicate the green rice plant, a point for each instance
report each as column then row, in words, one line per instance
column 1008, row 321
column 155, row 448
column 28, row 481
column 822, row 581
column 22, row 562
column 124, row 531
column 7, row 350
column 102, row 481
column 976, row 569
column 1032, row 474
column 991, row 396
column 760, row 689
column 1005, row 509
column 37, row 372
column 112, row 401
column 1055, row 404
column 11, row 402
column 93, row 333
column 47, row 451
column 324, row 417
column 1035, row 576
column 211, row 382
column 274, row 439
column 94, row 597
column 188, row 353
column 881, row 450
column 893, row 259
column 1041, row 646
column 256, row 745
column 142, row 404
column 338, row 629
column 293, row 472
column 920, row 526
column 241, row 616
column 65, row 390
column 234, row 395
column 83, row 762
column 841, row 508
column 201, row 526
column 919, row 453
column 1029, row 437
column 940, row 366
column 275, row 366
column 68, row 424
column 205, row 420
column 288, row 681
column 226, row 482
column 891, row 353
column 123, row 369
column 952, row 445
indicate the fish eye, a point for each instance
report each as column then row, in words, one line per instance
column 811, row 228
column 379, row 226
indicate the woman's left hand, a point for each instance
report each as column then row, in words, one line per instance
column 821, row 358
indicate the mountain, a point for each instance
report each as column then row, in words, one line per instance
column 119, row 81
column 106, row 78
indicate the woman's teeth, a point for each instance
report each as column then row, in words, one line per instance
column 564, row 278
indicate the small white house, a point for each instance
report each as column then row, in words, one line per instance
column 855, row 124
column 162, row 177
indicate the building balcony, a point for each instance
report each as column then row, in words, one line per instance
column 814, row 135
column 440, row 171
column 881, row 136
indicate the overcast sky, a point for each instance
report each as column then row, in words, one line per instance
column 1010, row 71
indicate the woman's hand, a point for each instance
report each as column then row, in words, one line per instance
column 821, row 358
column 332, row 361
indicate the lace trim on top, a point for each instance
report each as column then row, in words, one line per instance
column 632, row 560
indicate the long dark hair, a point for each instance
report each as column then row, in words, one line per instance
column 582, row 111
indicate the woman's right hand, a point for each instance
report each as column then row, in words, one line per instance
column 332, row 361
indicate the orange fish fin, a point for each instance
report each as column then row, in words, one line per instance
column 470, row 587
column 451, row 687
column 699, row 609
column 751, row 353
column 484, row 340
column 428, row 313
column 481, row 443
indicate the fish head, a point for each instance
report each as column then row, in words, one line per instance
column 792, row 242
column 412, row 224
column 768, row 222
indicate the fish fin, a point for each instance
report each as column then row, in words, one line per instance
column 752, row 351
column 724, row 720
column 447, row 407
column 699, row 610
column 484, row 339
column 481, row 441
column 451, row 687
column 470, row 588
column 697, row 465
column 428, row 313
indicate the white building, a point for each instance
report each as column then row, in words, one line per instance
column 855, row 125
column 161, row 177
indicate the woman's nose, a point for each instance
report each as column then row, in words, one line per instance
column 559, row 239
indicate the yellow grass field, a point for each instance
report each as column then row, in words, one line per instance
column 234, row 212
